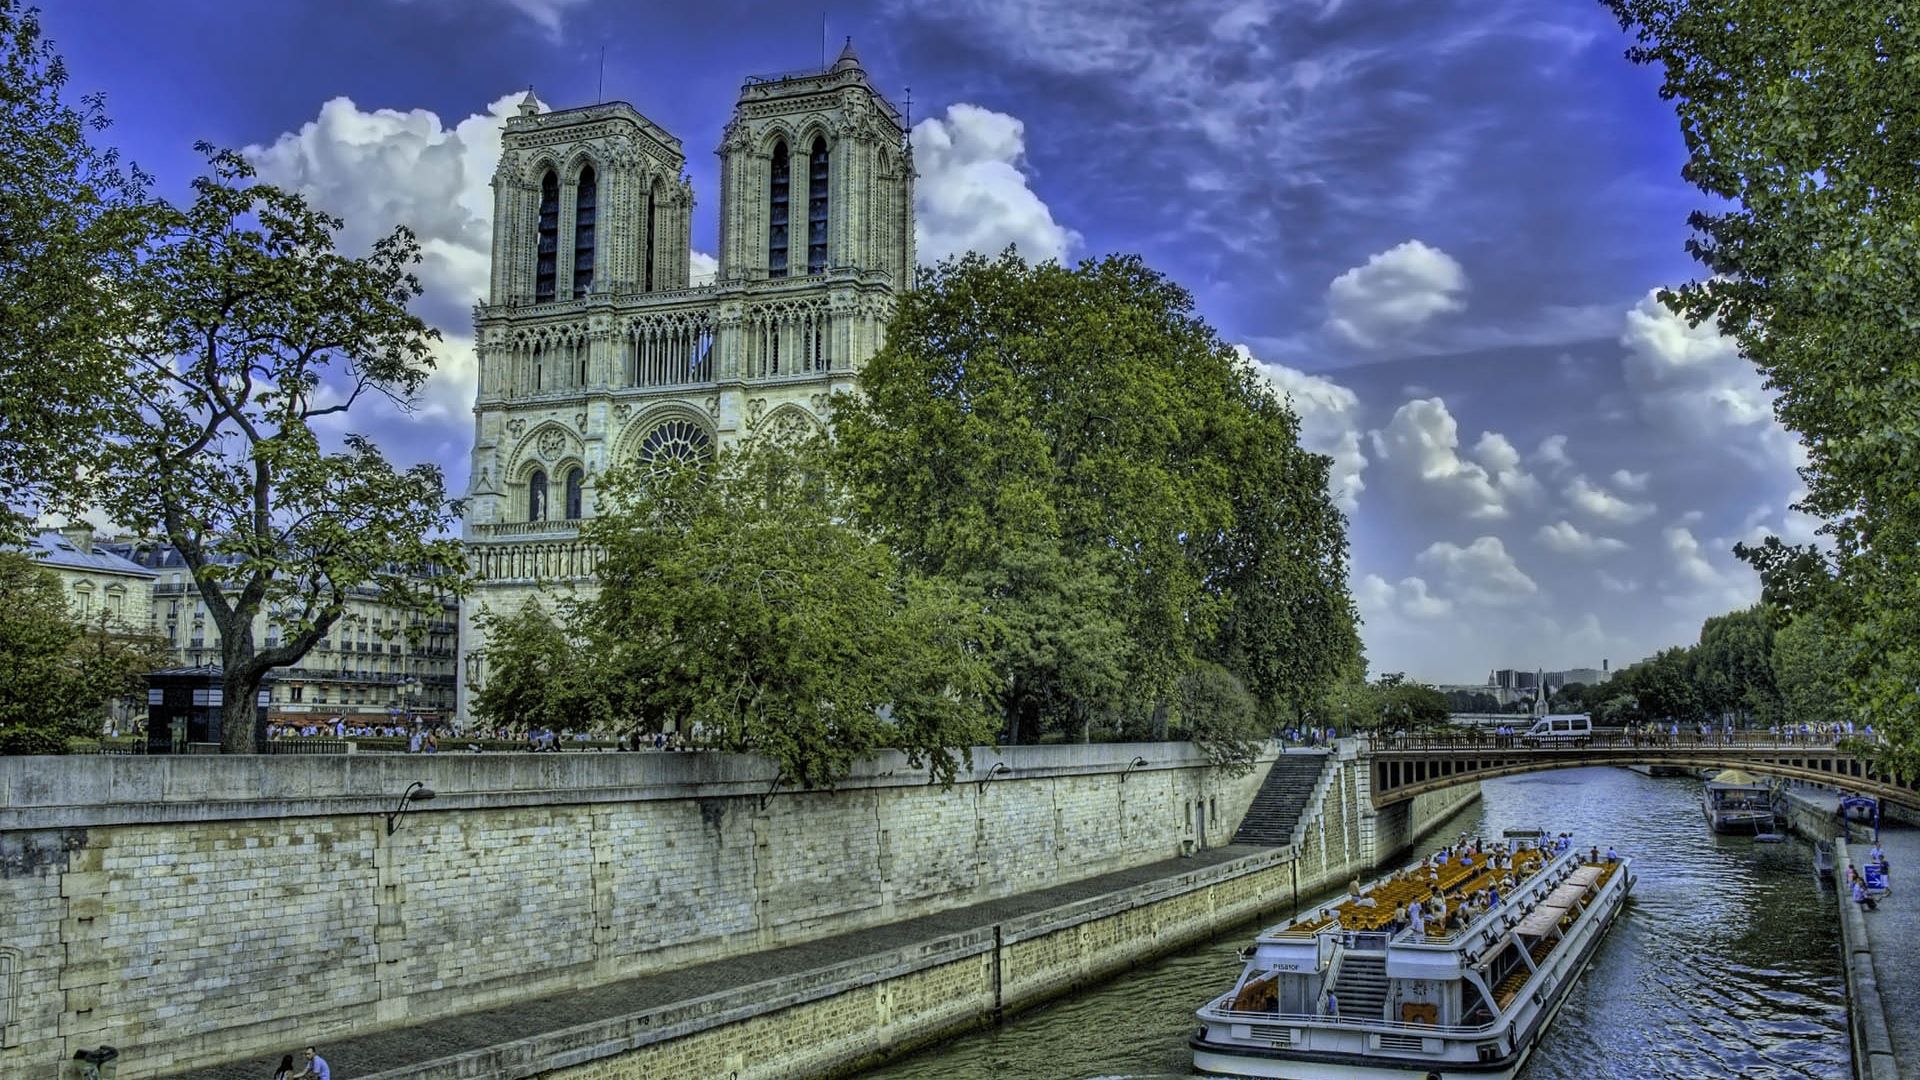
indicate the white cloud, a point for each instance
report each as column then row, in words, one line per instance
column 381, row 168
column 1689, row 561
column 1380, row 600
column 1628, row 480
column 1421, row 445
column 972, row 193
column 1329, row 424
column 1598, row 502
column 1394, row 294
column 1617, row 585
column 546, row 14
column 1552, row 452
column 703, row 268
column 1693, row 383
column 1480, row 573
column 1567, row 538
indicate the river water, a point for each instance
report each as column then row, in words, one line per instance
column 1726, row 962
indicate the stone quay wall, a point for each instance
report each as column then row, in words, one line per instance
column 190, row 910
column 836, row 1021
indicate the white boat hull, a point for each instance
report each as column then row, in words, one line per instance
column 1227, row 1054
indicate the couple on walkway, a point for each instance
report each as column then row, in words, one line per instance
column 316, row 1069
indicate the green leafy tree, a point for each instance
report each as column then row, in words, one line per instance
column 1661, row 687
column 1217, row 713
column 764, row 621
column 1079, row 450
column 59, row 674
column 1802, row 123
column 1732, row 667
column 1810, row 661
column 72, row 223
column 252, row 331
column 1405, row 705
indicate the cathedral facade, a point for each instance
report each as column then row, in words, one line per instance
column 595, row 349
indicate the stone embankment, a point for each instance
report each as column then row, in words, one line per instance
column 1882, row 973
column 614, row 915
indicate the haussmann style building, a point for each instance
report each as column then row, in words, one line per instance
column 595, row 349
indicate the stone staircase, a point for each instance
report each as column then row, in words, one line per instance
column 1281, row 800
column 1362, row 986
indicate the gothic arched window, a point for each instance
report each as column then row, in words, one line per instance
column 777, row 217
column 585, row 200
column 573, row 494
column 537, row 496
column 817, row 207
column 539, row 368
column 549, row 234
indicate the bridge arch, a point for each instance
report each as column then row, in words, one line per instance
column 1400, row 772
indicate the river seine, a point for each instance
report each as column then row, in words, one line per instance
column 1725, row 964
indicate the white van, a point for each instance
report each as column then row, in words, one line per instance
column 1574, row 729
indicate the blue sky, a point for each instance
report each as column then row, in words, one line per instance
column 1435, row 223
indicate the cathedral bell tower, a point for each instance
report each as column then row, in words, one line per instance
column 816, row 175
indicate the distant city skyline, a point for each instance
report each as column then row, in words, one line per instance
column 1436, row 225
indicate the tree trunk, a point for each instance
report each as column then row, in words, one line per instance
column 238, row 689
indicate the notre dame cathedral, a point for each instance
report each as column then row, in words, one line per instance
column 595, row 349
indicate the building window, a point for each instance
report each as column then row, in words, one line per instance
column 573, row 494
column 676, row 442
column 83, row 599
column 777, row 221
column 817, row 207
column 539, row 368
column 537, row 496
column 549, row 238
column 585, row 200
column 294, row 693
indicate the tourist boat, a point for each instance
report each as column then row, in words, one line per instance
column 1736, row 801
column 1470, row 1002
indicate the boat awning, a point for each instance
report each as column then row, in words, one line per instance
column 1548, row 913
column 1541, row 920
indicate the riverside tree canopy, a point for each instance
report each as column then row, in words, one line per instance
column 1802, row 124
column 1124, row 494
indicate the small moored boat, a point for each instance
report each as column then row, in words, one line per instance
column 1360, row 989
column 1736, row 801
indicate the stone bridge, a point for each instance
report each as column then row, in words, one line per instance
column 1403, row 768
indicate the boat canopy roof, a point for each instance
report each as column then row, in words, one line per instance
column 1548, row 912
column 1737, row 778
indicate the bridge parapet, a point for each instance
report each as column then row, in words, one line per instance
column 1402, row 768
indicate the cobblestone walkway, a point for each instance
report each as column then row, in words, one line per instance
column 397, row 1048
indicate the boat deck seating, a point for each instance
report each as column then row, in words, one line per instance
column 1455, row 881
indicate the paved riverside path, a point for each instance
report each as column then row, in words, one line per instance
column 415, row 1044
column 1892, row 929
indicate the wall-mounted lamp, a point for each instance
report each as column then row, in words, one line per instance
column 999, row 769
column 1132, row 765
column 416, row 792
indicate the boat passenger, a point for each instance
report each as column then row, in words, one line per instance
column 1593, row 856
column 1612, row 855
column 1493, row 897
column 1332, row 1003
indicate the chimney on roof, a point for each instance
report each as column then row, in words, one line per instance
column 80, row 535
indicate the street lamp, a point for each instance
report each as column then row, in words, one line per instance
column 416, row 792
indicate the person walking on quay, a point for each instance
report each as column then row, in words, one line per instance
column 317, row 1067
